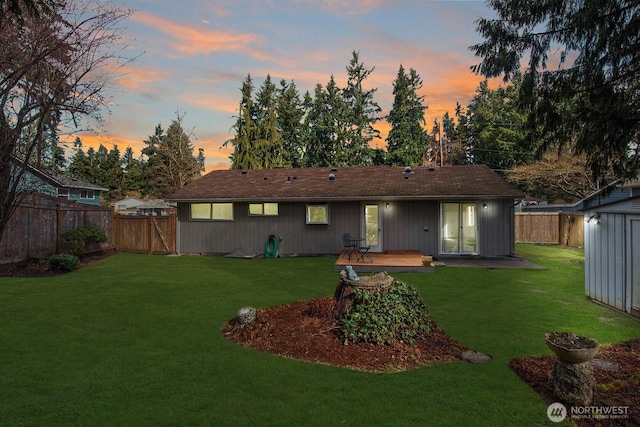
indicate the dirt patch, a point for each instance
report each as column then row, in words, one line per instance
column 306, row 330
column 39, row 267
column 617, row 381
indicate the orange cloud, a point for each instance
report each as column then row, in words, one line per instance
column 133, row 77
column 193, row 41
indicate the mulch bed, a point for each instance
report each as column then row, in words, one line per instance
column 39, row 267
column 305, row 330
column 613, row 388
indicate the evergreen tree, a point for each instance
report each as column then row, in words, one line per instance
column 269, row 138
column 362, row 110
column 598, row 73
column 319, row 146
column 134, row 178
column 407, row 142
column 497, row 127
column 171, row 164
column 79, row 164
column 290, row 113
column 246, row 149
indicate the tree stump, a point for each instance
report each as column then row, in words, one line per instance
column 343, row 294
column 572, row 382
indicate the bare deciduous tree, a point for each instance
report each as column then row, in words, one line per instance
column 53, row 73
column 559, row 174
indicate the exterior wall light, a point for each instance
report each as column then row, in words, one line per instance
column 595, row 218
column 484, row 206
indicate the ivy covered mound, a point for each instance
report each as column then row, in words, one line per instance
column 376, row 328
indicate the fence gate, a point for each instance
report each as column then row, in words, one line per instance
column 144, row 234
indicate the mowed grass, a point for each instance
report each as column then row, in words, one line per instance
column 135, row 340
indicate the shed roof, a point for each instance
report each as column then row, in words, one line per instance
column 347, row 183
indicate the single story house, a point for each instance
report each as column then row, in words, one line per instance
column 452, row 210
column 612, row 246
column 57, row 185
column 156, row 207
column 125, row 206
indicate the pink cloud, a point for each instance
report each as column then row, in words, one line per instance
column 191, row 41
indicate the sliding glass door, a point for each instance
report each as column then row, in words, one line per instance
column 458, row 228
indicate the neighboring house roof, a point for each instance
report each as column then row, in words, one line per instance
column 610, row 194
column 68, row 182
column 155, row 204
column 348, row 183
column 61, row 181
column 129, row 202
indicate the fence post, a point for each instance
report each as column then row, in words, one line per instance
column 173, row 233
column 58, row 225
column 150, row 233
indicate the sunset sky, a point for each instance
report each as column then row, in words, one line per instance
column 196, row 53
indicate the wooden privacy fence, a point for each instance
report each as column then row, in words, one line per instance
column 145, row 234
column 36, row 227
column 550, row 227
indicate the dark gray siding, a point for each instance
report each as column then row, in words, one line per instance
column 411, row 225
column 496, row 228
column 250, row 233
column 405, row 225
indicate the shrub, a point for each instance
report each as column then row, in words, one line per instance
column 78, row 238
column 379, row 318
column 63, row 262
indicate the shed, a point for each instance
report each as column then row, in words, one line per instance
column 612, row 246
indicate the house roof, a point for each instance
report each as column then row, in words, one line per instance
column 58, row 180
column 68, row 182
column 155, row 204
column 348, row 183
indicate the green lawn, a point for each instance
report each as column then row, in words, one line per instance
column 135, row 340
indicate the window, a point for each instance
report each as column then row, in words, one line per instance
column 317, row 214
column 63, row 193
column 87, row 194
column 263, row 209
column 211, row 211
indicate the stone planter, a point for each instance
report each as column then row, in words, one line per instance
column 572, row 374
column 570, row 347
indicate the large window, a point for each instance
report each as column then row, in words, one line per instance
column 263, row 209
column 317, row 214
column 211, row 211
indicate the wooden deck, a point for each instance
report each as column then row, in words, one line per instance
column 391, row 262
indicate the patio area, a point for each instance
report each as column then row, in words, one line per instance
column 411, row 262
column 391, row 262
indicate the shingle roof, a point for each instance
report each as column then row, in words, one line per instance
column 68, row 182
column 349, row 183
